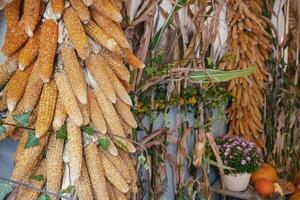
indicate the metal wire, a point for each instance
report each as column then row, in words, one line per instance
column 34, row 188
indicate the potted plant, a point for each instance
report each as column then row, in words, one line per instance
column 242, row 157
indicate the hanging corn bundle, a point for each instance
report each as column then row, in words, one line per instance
column 248, row 46
column 67, row 93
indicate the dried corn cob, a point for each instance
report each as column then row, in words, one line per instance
column 15, row 88
column 57, row 7
column 113, row 175
column 48, row 43
column 28, row 160
column 116, row 63
column 124, row 111
column 112, row 120
column 96, row 171
column 108, row 10
column 21, row 145
column 76, row 33
column 119, row 88
column 120, row 165
column 127, row 129
column 68, row 98
column 8, row 68
column 117, row 4
column 31, row 15
column 126, row 158
column 29, row 51
column 14, row 39
column 100, row 36
column 119, row 195
column 112, row 29
column 3, row 104
column 25, row 193
column 85, row 112
column 83, row 185
column 75, row 150
column 75, row 74
column 110, row 191
column 12, row 13
column 60, row 114
column 87, row 2
column 33, row 89
column 132, row 60
column 96, row 66
column 46, row 108
column 96, row 114
column 81, row 10
column 54, row 156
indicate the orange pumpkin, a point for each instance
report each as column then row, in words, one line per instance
column 264, row 187
column 266, row 171
column 295, row 196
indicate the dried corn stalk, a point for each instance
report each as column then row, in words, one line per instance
column 249, row 44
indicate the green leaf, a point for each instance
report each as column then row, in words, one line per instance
column 2, row 130
column 62, row 133
column 209, row 61
column 22, row 119
column 142, row 159
column 39, row 177
column 104, row 142
column 66, row 190
column 5, row 189
column 213, row 75
column 88, row 130
column 32, row 141
column 44, row 197
column 211, row 162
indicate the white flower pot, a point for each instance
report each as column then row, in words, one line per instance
column 237, row 182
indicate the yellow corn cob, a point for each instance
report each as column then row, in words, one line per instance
column 25, row 193
column 28, row 160
column 112, row 29
column 120, row 165
column 47, row 48
column 68, row 98
column 117, row 4
column 60, row 114
column 112, row 120
column 8, row 68
column 119, row 88
column 96, row 66
column 85, row 112
column 21, row 145
column 119, row 195
column 54, row 156
column 99, row 35
column 33, row 89
column 81, row 10
column 96, row 171
column 75, row 74
column 12, row 13
column 110, row 191
column 14, row 39
column 76, row 33
column 108, row 10
column 132, row 59
column 127, row 129
column 75, row 150
column 126, row 158
column 83, row 185
column 117, row 65
column 57, row 7
column 29, row 51
column 31, row 15
column 87, row 2
column 112, row 149
column 46, row 109
column 113, row 175
column 15, row 88
column 124, row 111
column 3, row 104
column 96, row 114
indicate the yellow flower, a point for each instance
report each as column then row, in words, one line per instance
column 181, row 101
column 192, row 100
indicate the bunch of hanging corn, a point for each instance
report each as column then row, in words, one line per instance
column 65, row 75
column 248, row 46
